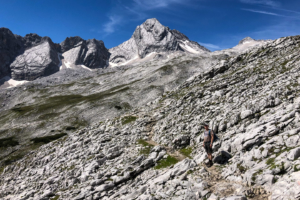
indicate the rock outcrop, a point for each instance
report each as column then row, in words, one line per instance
column 92, row 53
column 41, row 59
column 10, row 46
column 153, row 37
column 33, row 56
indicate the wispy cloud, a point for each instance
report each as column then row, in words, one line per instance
column 263, row 12
column 152, row 4
column 271, row 3
column 210, row 46
column 109, row 27
column 282, row 29
column 136, row 10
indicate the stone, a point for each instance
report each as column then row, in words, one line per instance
column 37, row 61
column 294, row 154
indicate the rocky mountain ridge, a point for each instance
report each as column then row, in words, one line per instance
column 32, row 56
column 153, row 37
column 154, row 151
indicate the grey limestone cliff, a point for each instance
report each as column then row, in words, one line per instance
column 151, row 37
column 37, row 61
column 92, row 53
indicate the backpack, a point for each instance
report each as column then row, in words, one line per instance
column 215, row 136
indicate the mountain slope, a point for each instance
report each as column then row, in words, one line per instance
column 250, row 100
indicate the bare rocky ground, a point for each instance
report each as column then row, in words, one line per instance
column 74, row 98
column 250, row 100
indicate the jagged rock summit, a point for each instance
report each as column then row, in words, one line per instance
column 10, row 47
column 246, row 40
column 32, row 56
column 90, row 53
column 38, row 61
column 153, row 37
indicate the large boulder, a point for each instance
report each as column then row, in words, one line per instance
column 37, row 61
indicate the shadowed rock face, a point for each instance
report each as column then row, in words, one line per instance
column 96, row 55
column 91, row 53
column 31, row 39
column 10, row 47
column 37, row 61
column 70, row 43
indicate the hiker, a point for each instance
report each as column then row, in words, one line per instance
column 208, row 143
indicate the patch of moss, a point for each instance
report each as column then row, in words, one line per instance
column 186, row 151
column 48, row 139
column 128, row 119
column 61, row 101
column 48, row 116
column 146, row 147
column 1, row 170
column 8, row 142
column 164, row 163
column 55, row 198
column 241, row 168
column 254, row 176
column 12, row 159
column 270, row 161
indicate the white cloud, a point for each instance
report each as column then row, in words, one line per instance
column 271, row 3
column 263, row 12
column 210, row 46
column 282, row 29
column 109, row 27
column 153, row 4
column 138, row 9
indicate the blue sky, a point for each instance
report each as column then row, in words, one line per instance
column 216, row 24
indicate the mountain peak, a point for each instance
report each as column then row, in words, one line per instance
column 153, row 37
column 246, row 39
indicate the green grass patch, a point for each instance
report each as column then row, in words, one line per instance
column 270, row 161
column 48, row 116
column 61, row 101
column 13, row 158
column 1, row 170
column 128, row 119
column 55, row 198
column 48, row 139
column 164, row 163
column 8, row 142
column 186, row 151
column 146, row 147
column 241, row 168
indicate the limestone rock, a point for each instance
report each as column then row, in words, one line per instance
column 38, row 61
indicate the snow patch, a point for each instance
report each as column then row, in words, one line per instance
column 9, row 82
column 124, row 63
column 68, row 65
column 85, row 67
column 186, row 47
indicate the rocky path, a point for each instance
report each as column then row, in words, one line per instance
column 221, row 187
